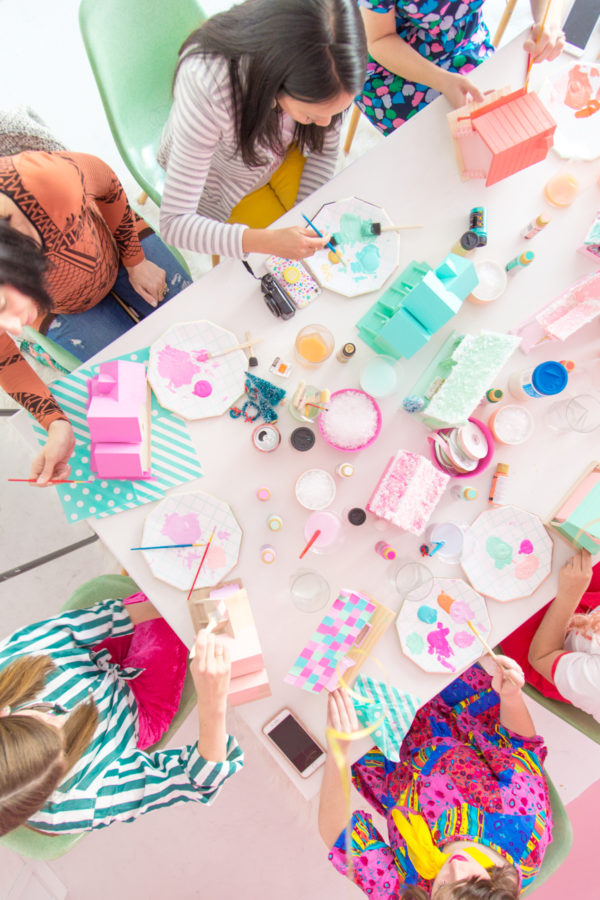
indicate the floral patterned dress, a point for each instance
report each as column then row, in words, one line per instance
column 449, row 33
column 468, row 776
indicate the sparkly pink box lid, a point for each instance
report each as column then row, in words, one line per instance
column 408, row 491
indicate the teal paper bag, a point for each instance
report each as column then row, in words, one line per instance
column 398, row 708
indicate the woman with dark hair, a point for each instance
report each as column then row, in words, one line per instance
column 418, row 51
column 466, row 806
column 83, row 696
column 70, row 245
column 258, row 96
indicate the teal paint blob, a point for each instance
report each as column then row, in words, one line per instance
column 415, row 643
column 427, row 614
column 354, row 230
column 367, row 260
column 500, row 551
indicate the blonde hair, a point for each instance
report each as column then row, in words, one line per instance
column 35, row 755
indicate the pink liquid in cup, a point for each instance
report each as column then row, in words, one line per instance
column 330, row 526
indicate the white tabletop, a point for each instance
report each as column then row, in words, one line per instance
column 413, row 174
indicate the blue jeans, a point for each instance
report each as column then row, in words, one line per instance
column 85, row 333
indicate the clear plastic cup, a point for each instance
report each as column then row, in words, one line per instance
column 309, row 590
column 314, row 344
column 580, row 414
column 413, row 581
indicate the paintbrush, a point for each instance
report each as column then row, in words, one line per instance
column 203, row 355
column 132, row 313
column 329, row 243
column 529, row 56
column 212, row 534
column 167, row 546
column 491, row 653
column 377, row 228
column 252, row 360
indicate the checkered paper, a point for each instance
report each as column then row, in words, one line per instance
column 174, row 460
column 316, row 669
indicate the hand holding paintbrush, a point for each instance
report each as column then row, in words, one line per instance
column 504, row 668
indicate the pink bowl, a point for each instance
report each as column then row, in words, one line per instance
column 371, row 439
column 482, row 464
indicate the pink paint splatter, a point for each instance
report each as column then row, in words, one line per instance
column 223, row 535
column 526, row 566
column 176, row 365
column 461, row 612
column 182, row 529
column 438, row 643
column 216, row 557
column 463, row 638
column 526, row 547
column 203, row 388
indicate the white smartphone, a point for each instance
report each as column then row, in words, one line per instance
column 580, row 24
column 295, row 743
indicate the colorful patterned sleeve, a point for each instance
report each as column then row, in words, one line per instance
column 375, row 868
column 20, row 381
column 102, row 185
column 378, row 6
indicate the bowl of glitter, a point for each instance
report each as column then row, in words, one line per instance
column 351, row 422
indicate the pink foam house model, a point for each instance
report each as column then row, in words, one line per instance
column 118, row 420
column 495, row 140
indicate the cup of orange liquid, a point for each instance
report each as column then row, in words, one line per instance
column 314, row 344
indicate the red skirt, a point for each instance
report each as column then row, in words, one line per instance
column 155, row 648
column 517, row 644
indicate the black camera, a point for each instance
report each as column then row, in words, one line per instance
column 277, row 298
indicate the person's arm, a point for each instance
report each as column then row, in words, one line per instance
column 547, row 43
column 507, row 681
column 392, row 52
column 102, row 185
column 200, row 115
column 211, row 671
column 333, row 806
column 25, row 386
column 548, row 642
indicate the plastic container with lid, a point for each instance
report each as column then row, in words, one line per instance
column 547, row 379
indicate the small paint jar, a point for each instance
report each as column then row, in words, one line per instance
column 346, row 352
column 464, row 493
column 263, row 494
column 467, row 242
column 344, row 470
column 546, row 380
column 478, row 224
column 494, row 395
column 268, row 554
column 520, row 262
column 511, row 424
column 274, row 523
column 330, row 526
column 266, row 438
column 535, row 226
column 355, row 515
column 385, row 550
column 315, row 489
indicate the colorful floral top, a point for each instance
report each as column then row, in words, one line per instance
column 449, row 33
column 113, row 780
column 467, row 775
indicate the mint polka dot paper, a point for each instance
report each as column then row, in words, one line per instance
column 174, row 460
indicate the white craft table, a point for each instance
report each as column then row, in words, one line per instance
column 413, row 174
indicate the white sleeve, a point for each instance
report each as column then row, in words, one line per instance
column 577, row 677
column 196, row 128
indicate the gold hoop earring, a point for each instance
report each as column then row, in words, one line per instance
column 3, row 302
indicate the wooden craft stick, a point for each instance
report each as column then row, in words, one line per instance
column 132, row 313
column 311, row 541
column 529, row 56
column 246, row 345
column 489, row 650
column 53, row 480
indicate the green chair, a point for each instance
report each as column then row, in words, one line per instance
column 132, row 47
column 562, row 840
column 33, row 844
column 47, row 351
column 574, row 716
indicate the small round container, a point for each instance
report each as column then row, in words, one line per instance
column 344, row 470
column 379, row 377
column 266, row 438
column 330, row 526
column 492, row 282
column 482, row 464
column 453, row 539
column 309, row 591
column 546, row 380
column 511, row 424
column 561, row 189
column 352, row 420
column 302, row 439
column 356, row 515
column 315, row 489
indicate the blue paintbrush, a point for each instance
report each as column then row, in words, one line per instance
column 329, row 244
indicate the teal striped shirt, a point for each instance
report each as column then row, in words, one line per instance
column 113, row 780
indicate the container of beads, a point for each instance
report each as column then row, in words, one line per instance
column 351, row 422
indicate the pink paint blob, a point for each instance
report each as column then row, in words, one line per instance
column 203, row 389
column 201, row 355
column 176, row 365
column 182, row 529
column 463, row 638
column 526, row 567
column 438, row 643
column 461, row 612
column 526, row 547
column 216, row 557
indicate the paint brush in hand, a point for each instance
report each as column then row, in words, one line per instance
column 490, row 652
column 329, row 244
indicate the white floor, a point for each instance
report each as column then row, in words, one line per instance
column 260, row 838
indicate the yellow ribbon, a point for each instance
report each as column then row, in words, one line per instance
column 423, row 853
